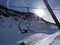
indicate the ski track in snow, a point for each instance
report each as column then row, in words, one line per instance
column 33, row 38
column 42, row 40
column 12, row 36
column 48, row 40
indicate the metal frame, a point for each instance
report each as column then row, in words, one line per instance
column 52, row 13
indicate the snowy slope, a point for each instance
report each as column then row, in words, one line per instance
column 42, row 39
column 33, row 38
column 48, row 40
column 10, row 34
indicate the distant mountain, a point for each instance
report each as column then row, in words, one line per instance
column 9, row 12
column 9, row 26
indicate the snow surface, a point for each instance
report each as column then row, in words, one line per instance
column 33, row 38
column 48, row 40
column 10, row 34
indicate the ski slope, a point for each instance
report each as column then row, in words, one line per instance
column 33, row 38
column 48, row 40
column 41, row 39
column 10, row 34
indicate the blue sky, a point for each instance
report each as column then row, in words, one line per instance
column 33, row 3
column 53, row 3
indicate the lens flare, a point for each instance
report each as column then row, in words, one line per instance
column 40, row 12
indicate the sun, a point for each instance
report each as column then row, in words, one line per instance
column 40, row 12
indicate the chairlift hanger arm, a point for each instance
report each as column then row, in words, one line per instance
column 52, row 13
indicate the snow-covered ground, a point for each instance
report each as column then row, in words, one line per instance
column 10, row 33
column 48, row 40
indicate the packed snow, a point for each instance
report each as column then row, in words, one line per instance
column 41, row 33
column 48, row 40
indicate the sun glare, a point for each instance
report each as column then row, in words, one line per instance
column 40, row 12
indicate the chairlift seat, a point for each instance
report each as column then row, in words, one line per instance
column 24, row 31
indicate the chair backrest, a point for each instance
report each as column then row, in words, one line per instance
column 21, row 30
